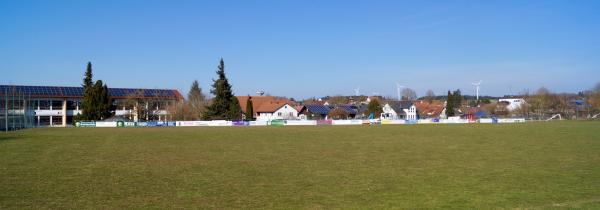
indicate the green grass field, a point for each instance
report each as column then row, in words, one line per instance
column 477, row 166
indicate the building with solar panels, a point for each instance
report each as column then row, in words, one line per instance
column 56, row 105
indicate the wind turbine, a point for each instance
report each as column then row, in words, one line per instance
column 357, row 91
column 477, row 84
column 398, row 86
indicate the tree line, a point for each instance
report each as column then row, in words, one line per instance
column 223, row 106
column 97, row 104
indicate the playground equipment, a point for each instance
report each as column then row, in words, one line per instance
column 554, row 116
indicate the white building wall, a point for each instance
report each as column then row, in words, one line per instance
column 411, row 113
column 285, row 112
column 388, row 113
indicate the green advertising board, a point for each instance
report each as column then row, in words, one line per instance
column 277, row 122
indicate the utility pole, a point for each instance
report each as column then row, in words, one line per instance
column 6, row 110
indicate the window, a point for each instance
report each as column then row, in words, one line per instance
column 44, row 120
column 15, row 104
column 44, row 105
column 279, row 114
column 34, row 104
column 57, row 105
column 56, row 120
column 71, row 105
column 155, row 105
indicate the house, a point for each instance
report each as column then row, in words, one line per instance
column 513, row 103
column 429, row 110
column 350, row 109
column 269, row 107
column 314, row 112
column 399, row 110
column 277, row 111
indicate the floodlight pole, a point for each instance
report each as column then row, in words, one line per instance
column 6, row 110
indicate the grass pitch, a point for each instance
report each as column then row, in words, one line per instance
column 482, row 166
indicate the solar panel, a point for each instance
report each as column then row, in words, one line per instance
column 52, row 91
column 318, row 109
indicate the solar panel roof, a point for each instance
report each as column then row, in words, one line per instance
column 77, row 92
column 318, row 109
column 349, row 109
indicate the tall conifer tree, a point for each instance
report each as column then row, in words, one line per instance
column 450, row 105
column 88, row 91
column 96, row 103
column 220, row 108
column 249, row 109
column 457, row 98
column 235, row 111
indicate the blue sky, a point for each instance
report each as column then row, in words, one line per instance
column 305, row 48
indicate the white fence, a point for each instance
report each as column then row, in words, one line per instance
column 300, row 122
column 346, row 122
column 296, row 122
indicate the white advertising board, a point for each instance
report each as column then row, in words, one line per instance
column 300, row 122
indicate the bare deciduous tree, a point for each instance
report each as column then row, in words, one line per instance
column 429, row 96
column 408, row 94
column 338, row 113
column 196, row 102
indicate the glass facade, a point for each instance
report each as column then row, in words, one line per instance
column 15, row 111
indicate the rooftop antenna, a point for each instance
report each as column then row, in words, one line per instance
column 398, row 86
column 260, row 92
column 477, row 84
column 357, row 91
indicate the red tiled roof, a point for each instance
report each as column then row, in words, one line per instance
column 263, row 103
column 427, row 109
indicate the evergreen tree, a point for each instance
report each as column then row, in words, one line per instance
column 457, row 98
column 88, row 91
column 221, row 104
column 104, row 101
column 249, row 109
column 196, row 100
column 96, row 103
column 234, row 112
column 450, row 105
